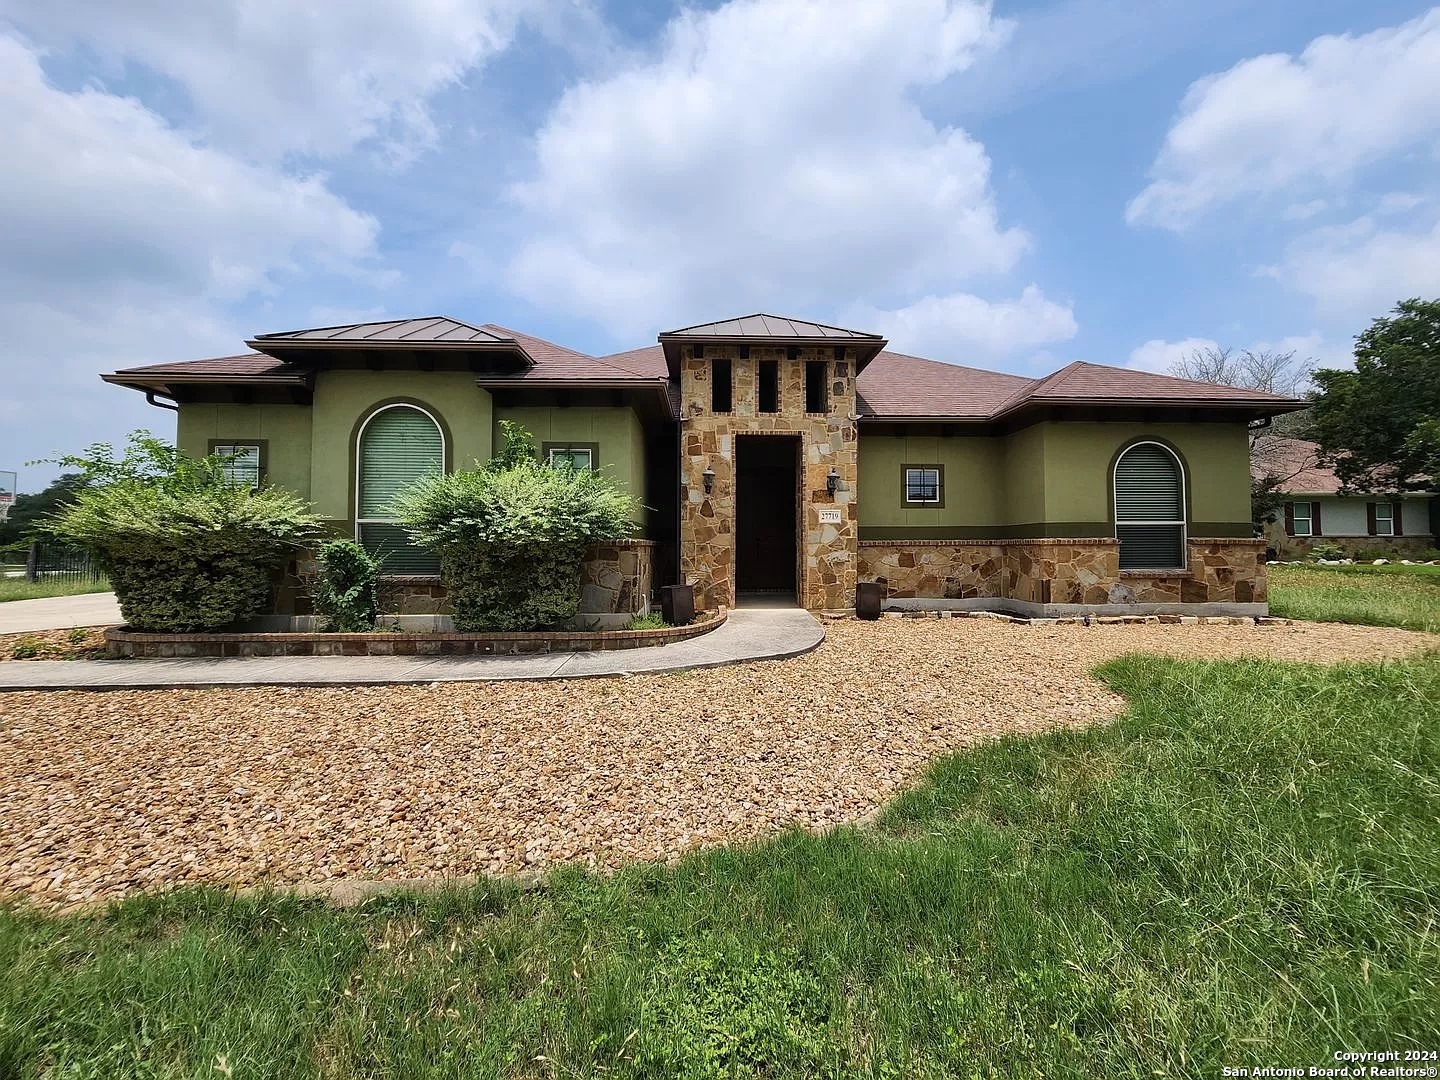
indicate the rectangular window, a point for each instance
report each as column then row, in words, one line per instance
column 574, row 457
column 721, row 386
column 816, row 399
column 924, row 485
column 769, row 397
column 1304, row 523
column 1384, row 519
column 242, row 466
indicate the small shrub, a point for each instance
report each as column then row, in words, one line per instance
column 27, row 648
column 511, row 534
column 347, row 591
column 77, row 636
column 1328, row 551
column 653, row 621
column 185, row 547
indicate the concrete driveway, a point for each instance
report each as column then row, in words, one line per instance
column 59, row 613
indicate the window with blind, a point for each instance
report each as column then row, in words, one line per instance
column 241, row 463
column 398, row 445
column 1150, row 508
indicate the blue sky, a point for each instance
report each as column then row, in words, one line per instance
column 1012, row 186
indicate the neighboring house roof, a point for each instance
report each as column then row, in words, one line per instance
column 1297, row 463
column 893, row 385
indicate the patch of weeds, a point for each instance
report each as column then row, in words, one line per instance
column 717, row 1006
column 653, row 621
column 27, row 648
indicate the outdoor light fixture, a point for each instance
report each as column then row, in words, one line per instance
column 832, row 480
column 709, row 477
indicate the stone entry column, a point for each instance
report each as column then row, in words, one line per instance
column 827, row 556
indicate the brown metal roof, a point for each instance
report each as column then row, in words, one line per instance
column 400, row 333
column 769, row 326
column 908, row 387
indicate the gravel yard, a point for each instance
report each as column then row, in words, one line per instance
column 105, row 793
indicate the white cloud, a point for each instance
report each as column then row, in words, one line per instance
column 1161, row 356
column 268, row 77
column 1362, row 267
column 1282, row 124
column 122, row 242
column 961, row 328
column 768, row 156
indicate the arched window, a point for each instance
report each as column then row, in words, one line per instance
column 1150, row 508
column 398, row 444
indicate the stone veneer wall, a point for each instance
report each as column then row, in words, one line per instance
column 826, row 570
column 615, row 579
column 1076, row 571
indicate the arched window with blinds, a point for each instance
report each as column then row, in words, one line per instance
column 1150, row 508
column 398, row 444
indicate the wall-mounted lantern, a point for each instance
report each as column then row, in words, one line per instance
column 709, row 477
column 832, row 480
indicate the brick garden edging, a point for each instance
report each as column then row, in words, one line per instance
column 121, row 643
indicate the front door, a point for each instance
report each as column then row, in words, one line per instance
column 766, row 509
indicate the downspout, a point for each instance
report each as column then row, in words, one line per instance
column 679, row 495
column 173, row 406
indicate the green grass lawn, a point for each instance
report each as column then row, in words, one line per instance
column 1244, row 870
column 20, row 589
column 1406, row 596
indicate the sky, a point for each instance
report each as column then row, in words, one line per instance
column 1013, row 186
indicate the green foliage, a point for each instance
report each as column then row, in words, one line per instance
column 184, row 546
column 1244, row 868
column 1394, row 595
column 653, row 621
column 347, row 590
column 1379, row 425
column 26, row 648
column 1328, row 550
column 511, row 534
column 18, row 527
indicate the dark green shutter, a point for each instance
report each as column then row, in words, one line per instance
column 1148, row 488
column 398, row 447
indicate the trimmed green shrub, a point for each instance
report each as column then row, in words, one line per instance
column 511, row 535
column 185, row 547
column 347, row 590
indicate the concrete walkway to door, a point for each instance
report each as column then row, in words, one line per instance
column 759, row 633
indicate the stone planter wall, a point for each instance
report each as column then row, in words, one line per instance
column 121, row 643
column 1050, row 576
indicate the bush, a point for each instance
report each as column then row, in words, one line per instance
column 185, row 547
column 347, row 590
column 653, row 621
column 511, row 535
column 1328, row 551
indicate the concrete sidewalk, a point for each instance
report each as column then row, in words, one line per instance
column 59, row 613
column 748, row 634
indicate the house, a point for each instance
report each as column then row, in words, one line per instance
column 1317, row 511
column 772, row 455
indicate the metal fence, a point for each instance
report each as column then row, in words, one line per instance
column 51, row 560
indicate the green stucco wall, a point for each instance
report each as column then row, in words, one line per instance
column 616, row 429
column 284, row 428
column 1047, row 479
column 974, row 480
column 344, row 398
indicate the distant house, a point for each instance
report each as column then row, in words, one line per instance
column 1316, row 512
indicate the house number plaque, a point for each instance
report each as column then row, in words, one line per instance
column 829, row 515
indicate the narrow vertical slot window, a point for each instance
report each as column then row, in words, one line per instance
column 769, row 397
column 816, row 398
column 721, row 390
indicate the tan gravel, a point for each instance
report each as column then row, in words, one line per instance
column 105, row 793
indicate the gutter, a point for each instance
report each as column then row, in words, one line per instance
column 172, row 405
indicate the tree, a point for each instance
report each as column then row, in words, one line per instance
column 1378, row 426
column 1272, row 443
column 29, row 509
